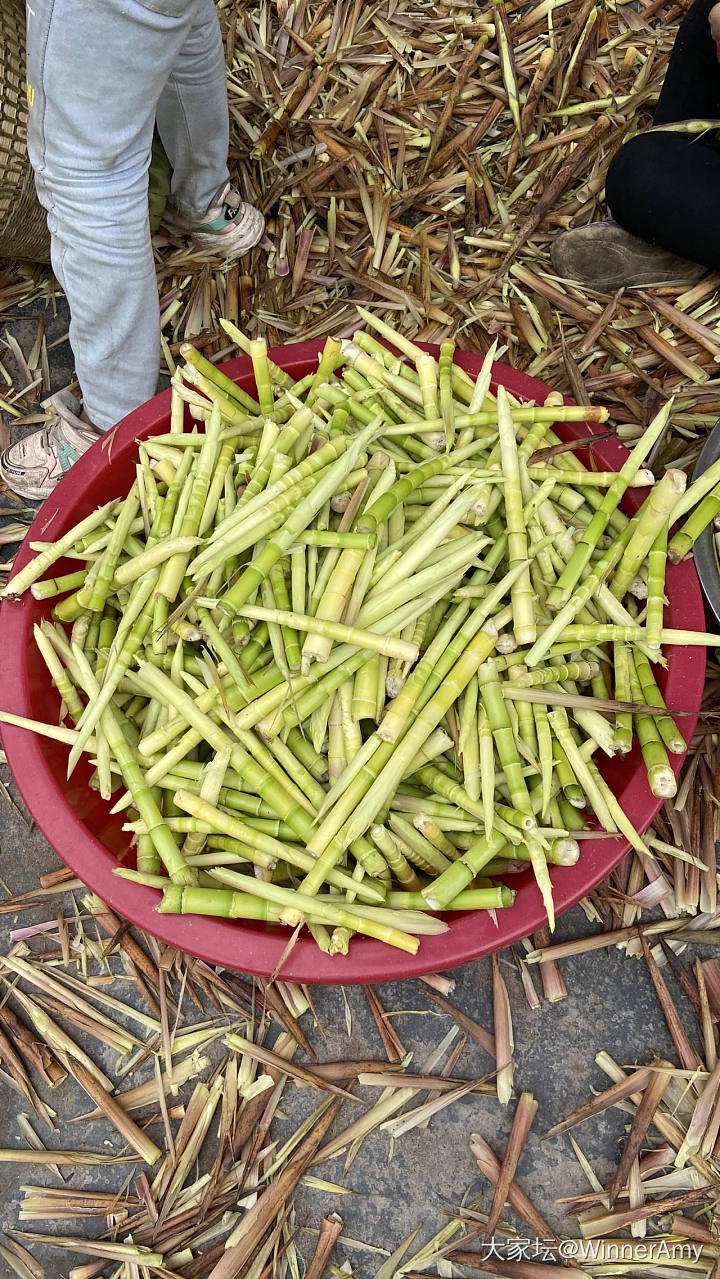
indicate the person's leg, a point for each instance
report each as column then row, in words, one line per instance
column 96, row 72
column 665, row 189
column 192, row 116
column 193, row 122
column 691, row 88
column 662, row 189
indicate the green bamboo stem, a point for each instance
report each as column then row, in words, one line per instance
column 417, row 849
column 579, row 636
column 457, row 630
column 503, row 736
column 651, row 695
column 661, row 778
column 355, row 636
column 210, row 790
column 59, row 675
column 427, row 375
column 23, row 580
column 655, row 514
column 281, row 541
column 365, row 690
column 152, row 557
column 276, row 795
column 126, row 646
column 590, row 536
column 261, row 369
column 392, row 853
column 469, row 740
column 334, row 600
column 261, row 500
column 445, row 386
column 264, row 849
column 218, row 378
column 145, row 802
column 96, row 596
column 426, row 720
column 53, row 586
column 577, row 601
column 219, row 903
column 521, row 591
column 318, row 909
column 622, row 739
column 581, row 671
column 558, row 474
column 453, row 881
column 655, row 606
column 470, row 899
column 705, row 512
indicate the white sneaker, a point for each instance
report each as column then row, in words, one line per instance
column 34, row 465
column 230, row 227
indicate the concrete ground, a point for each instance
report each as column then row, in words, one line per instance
column 610, row 1005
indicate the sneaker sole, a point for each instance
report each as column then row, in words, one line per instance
column 576, row 258
column 213, row 242
column 15, row 484
column 25, row 490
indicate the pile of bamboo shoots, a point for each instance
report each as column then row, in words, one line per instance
column 348, row 653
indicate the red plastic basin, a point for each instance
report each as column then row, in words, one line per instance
column 77, row 822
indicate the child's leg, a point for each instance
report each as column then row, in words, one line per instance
column 95, row 73
column 192, row 116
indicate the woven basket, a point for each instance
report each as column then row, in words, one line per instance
column 23, row 227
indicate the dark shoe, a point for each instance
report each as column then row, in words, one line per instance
column 603, row 256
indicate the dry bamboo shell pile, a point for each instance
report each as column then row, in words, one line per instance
column 421, row 158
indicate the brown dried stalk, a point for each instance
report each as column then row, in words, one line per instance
column 466, row 1024
column 113, row 1111
column 634, row 1083
column 248, row 1235
column 269, row 1058
column 35, row 1052
column 705, row 1018
column 553, row 982
column 525, row 1112
column 611, row 1222
column 582, row 945
column 489, row 1164
column 348, row 1069
column 392, row 1043
column 330, row 1228
column 80, row 1157
column 503, row 1035
column 652, row 1096
column 686, row 1052
column 511, row 1269
column 429, row 1083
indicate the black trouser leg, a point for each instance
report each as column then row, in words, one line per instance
column 691, row 88
column 665, row 187
column 666, row 191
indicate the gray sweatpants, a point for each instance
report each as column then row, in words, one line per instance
column 100, row 72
